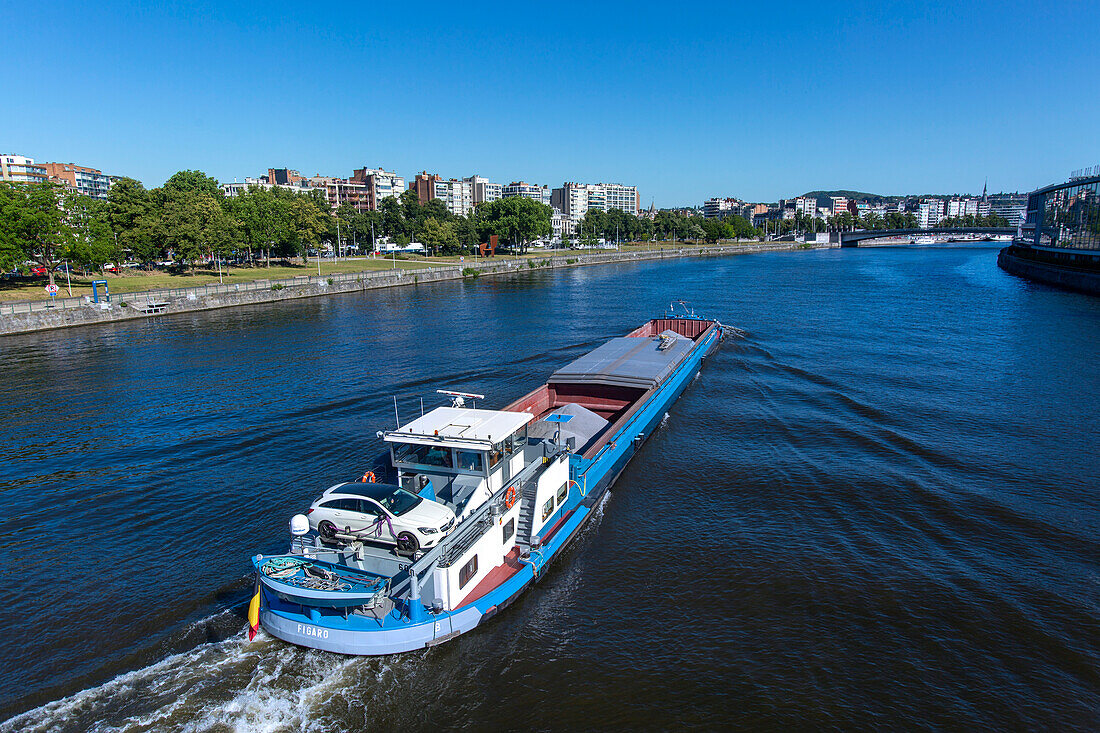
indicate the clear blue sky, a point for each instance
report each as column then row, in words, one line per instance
column 684, row 100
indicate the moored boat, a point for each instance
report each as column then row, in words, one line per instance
column 521, row 482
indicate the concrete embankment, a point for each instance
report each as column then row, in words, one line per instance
column 1083, row 278
column 41, row 316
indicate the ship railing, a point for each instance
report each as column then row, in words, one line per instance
column 471, row 529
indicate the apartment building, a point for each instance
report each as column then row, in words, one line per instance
column 21, row 169
column 839, row 206
column 85, row 181
column 959, row 207
column 381, row 184
column 484, row 190
column 542, row 194
column 457, row 195
column 343, row 192
column 806, row 205
column 575, row 199
column 285, row 177
column 930, row 213
column 716, row 208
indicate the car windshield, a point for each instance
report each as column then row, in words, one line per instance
column 400, row 502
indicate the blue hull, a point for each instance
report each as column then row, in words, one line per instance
column 398, row 632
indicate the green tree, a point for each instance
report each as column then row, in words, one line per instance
column 410, row 205
column 132, row 219
column 94, row 243
column 466, row 232
column 194, row 224
column 263, row 221
column 309, row 224
column 439, row 237
column 34, row 224
column 393, row 217
column 193, row 182
column 518, row 221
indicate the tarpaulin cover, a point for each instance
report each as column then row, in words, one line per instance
column 627, row 362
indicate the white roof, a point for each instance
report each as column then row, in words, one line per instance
column 461, row 425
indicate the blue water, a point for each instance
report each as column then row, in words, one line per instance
column 877, row 509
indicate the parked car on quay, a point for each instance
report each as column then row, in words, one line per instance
column 391, row 514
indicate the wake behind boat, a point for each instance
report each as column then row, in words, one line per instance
column 481, row 501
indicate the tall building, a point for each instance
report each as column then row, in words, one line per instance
column 575, row 199
column 930, row 213
column 456, row 195
column 21, row 169
column 380, row 184
column 542, row 194
column 424, row 186
column 1012, row 207
column 840, row 205
column 484, row 190
column 83, row 180
column 806, row 205
column 960, row 207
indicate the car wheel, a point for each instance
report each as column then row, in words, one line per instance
column 407, row 544
column 327, row 530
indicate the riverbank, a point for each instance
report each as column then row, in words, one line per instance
column 41, row 316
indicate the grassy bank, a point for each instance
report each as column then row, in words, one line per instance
column 133, row 280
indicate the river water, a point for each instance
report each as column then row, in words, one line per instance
column 878, row 508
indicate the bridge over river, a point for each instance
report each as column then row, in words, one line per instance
column 852, row 239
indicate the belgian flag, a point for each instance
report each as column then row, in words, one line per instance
column 254, row 613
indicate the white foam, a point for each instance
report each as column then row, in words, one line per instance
column 263, row 685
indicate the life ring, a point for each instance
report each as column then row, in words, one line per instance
column 369, row 478
column 510, row 498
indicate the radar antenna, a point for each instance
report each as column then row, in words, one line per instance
column 458, row 399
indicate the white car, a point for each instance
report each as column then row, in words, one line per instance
column 381, row 512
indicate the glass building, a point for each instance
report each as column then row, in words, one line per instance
column 1063, row 217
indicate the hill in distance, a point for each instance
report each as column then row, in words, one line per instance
column 824, row 198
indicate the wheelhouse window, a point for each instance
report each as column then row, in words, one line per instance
column 510, row 529
column 469, row 460
column 515, row 442
column 563, row 493
column 422, row 455
column 547, row 508
column 468, row 571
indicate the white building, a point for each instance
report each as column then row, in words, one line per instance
column 716, row 208
column 840, row 206
column 457, row 195
column 1012, row 209
column 21, row 169
column 236, row 187
column 930, row 214
column 960, row 207
column 806, row 205
column 575, row 199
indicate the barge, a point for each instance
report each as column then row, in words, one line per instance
column 520, row 483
